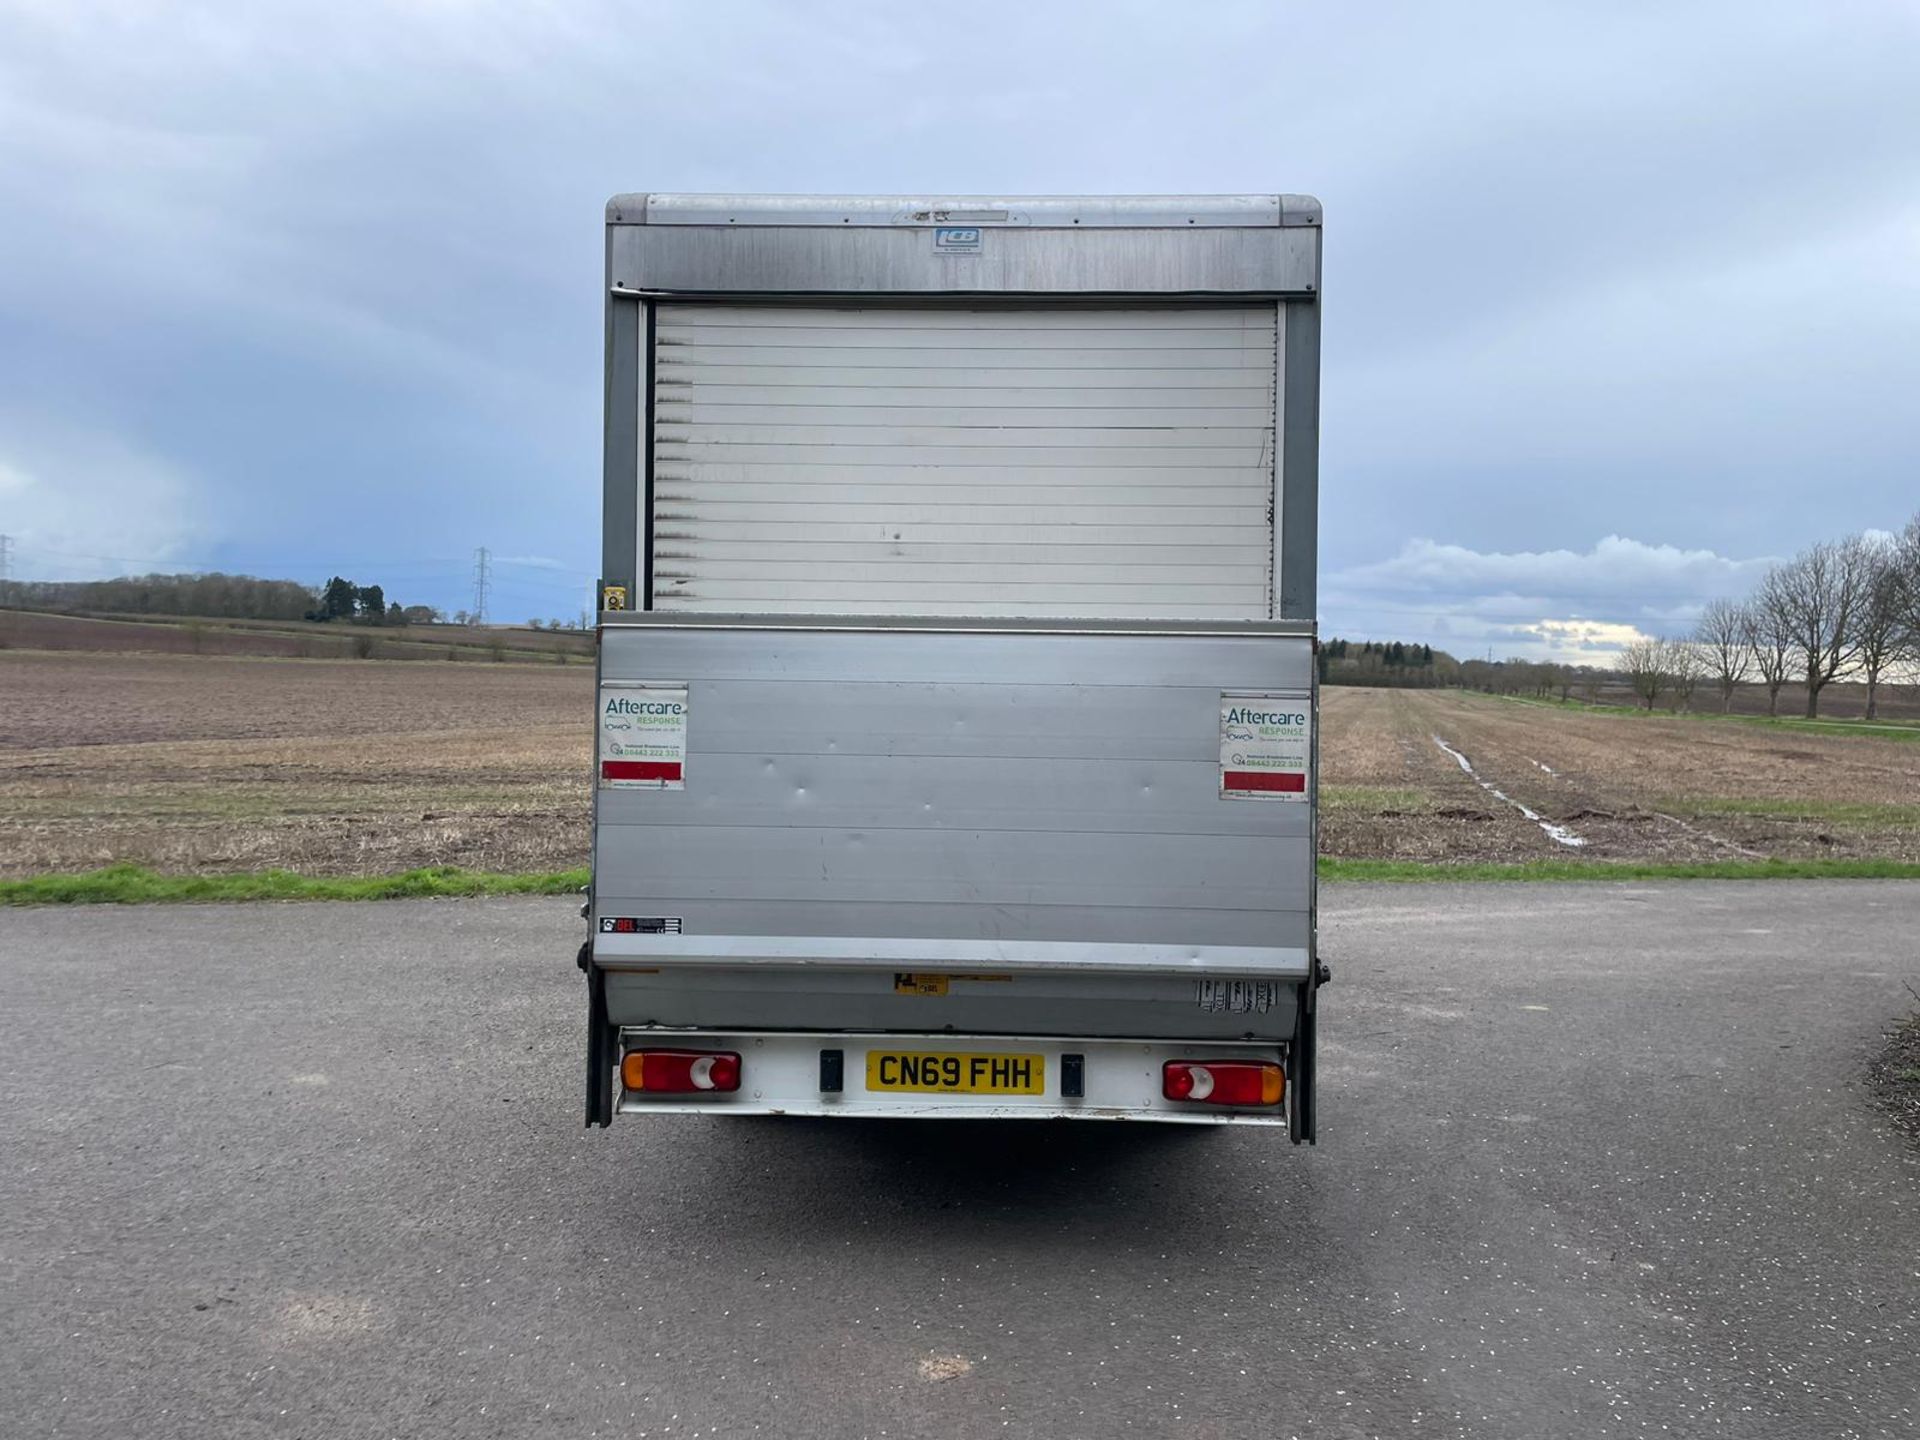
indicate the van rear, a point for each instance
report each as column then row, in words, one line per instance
column 956, row 724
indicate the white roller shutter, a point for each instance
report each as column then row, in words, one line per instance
column 964, row 461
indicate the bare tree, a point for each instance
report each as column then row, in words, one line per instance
column 1721, row 638
column 1644, row 664
column 1906, row 598
column 1880, row 635
column 1527, row 677
column 1685, row 667
column 1769, row 642
column 1818, row 596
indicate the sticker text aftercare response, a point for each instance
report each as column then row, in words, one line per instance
column 643, row 736
column 1266, row 746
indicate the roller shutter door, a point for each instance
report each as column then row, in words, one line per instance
column 1004, row 461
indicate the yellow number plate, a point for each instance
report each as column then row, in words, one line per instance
column 954, row 1073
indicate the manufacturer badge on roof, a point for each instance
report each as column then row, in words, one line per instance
column 956, row 239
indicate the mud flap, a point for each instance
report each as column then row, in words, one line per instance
column 601, row 1043
column 1301, row 1056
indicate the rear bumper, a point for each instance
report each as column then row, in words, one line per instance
column 782, row 1074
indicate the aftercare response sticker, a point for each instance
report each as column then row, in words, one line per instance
column 1266, row 746
column 643, row 736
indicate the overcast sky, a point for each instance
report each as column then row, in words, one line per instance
column 1621, row 299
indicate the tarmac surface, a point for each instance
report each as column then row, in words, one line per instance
column 1595, row 1160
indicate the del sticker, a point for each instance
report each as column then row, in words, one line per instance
column 643, row 737
column 1266, row 747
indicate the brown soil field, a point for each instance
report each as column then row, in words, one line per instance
column 201, row 762
column 1627, row 786
column 189, row 763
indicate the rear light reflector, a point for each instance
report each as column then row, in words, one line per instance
column 1224, row 1082
column 680, row 1072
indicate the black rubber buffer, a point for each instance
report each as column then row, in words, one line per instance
column 1073, row 1077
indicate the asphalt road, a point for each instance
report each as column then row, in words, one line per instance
column 1595, row 1161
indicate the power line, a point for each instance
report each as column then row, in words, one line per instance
column 6, row 558
column 482, row 581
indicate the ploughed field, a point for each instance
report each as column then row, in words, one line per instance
column 1451, row 776
column 220, row 763
column 191, row 763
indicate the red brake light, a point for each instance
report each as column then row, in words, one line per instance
column 680, row 1072
column 1224, row 1082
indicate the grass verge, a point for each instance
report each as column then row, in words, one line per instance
column 134, row 885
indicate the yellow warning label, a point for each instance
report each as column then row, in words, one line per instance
column 613, row 597
column 905, row 984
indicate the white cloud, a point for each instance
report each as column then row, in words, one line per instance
column 82, row 508
column 1585, row 639
column 1551, row 604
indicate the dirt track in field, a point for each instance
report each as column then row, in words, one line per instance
column 191, row 763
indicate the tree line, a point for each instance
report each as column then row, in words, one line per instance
column 1390, row 652
column 217, row 596
column 1383, row 662
column 214, row 595
column 342, row 599
column 1839, row 610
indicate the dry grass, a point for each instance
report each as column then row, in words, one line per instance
column 1894, row 1075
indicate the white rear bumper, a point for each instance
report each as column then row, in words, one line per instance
column 782, row 1073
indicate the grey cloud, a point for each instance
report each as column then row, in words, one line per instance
column 1535, row 603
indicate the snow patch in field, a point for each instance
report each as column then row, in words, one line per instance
column 1559, row 834
column 1538, row 766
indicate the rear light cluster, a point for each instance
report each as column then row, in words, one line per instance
column 1223, row 1082
column 680, row 1072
